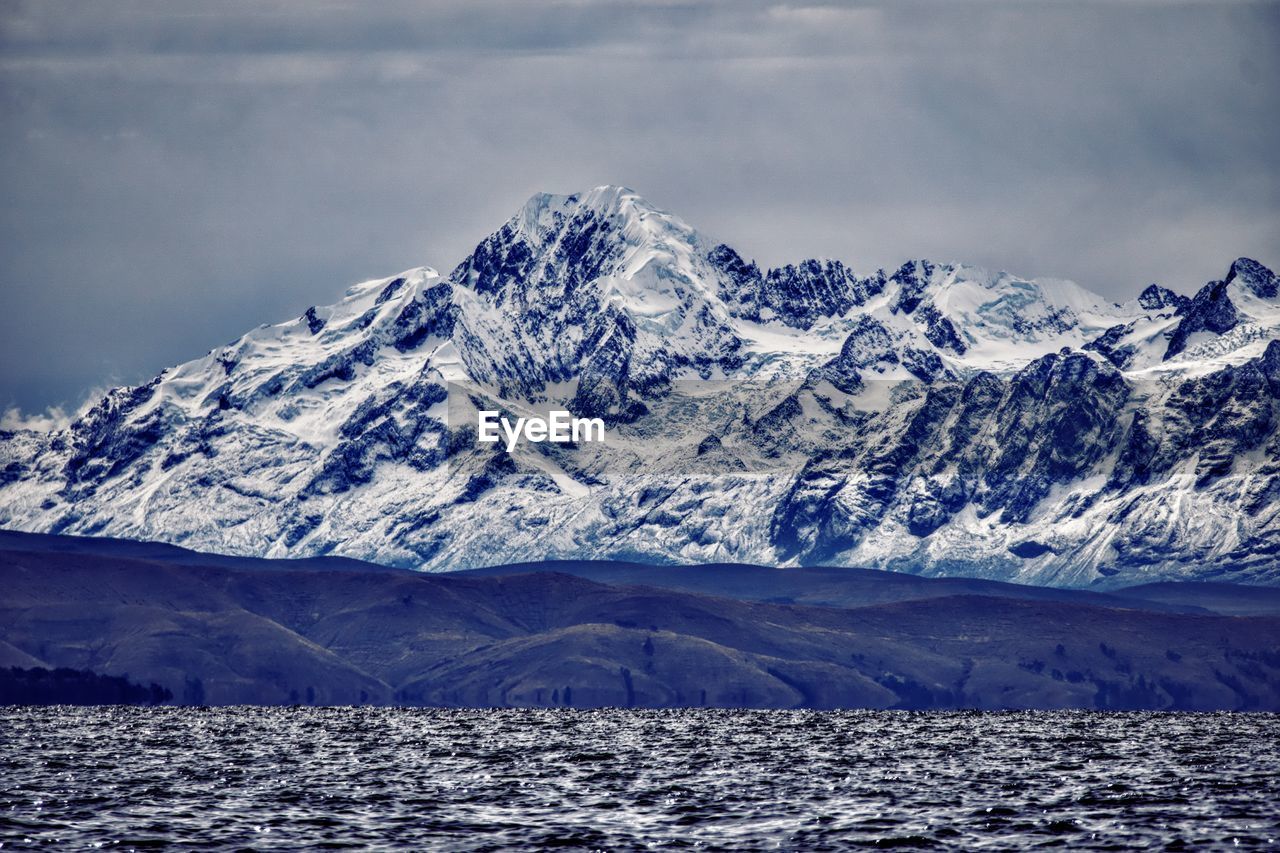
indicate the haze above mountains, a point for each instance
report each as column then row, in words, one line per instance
column 935, row 419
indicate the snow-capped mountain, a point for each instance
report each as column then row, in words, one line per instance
column 935, row 418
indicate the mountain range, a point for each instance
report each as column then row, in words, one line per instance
column 934, row 419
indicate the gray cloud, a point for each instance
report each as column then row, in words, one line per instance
column 175, row 175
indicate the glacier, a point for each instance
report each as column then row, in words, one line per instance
column 935, row 418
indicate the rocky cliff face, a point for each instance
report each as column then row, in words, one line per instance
column 935, row 418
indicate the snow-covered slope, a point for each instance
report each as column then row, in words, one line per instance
column 936, row 418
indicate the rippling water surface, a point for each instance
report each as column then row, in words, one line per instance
column 484, row 780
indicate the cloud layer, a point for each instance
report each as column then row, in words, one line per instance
column 175, row 175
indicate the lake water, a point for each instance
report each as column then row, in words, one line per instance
column 488, row 780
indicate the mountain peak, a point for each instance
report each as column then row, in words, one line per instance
column 1157, row 298
column 609, row 232
column 544, row 213
column 1252, row 275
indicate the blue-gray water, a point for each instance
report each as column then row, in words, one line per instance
column 485, row 780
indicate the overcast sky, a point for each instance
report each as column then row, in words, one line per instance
column 176, row 173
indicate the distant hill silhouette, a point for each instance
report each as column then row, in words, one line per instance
column 222, row 630
column 63, row 686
